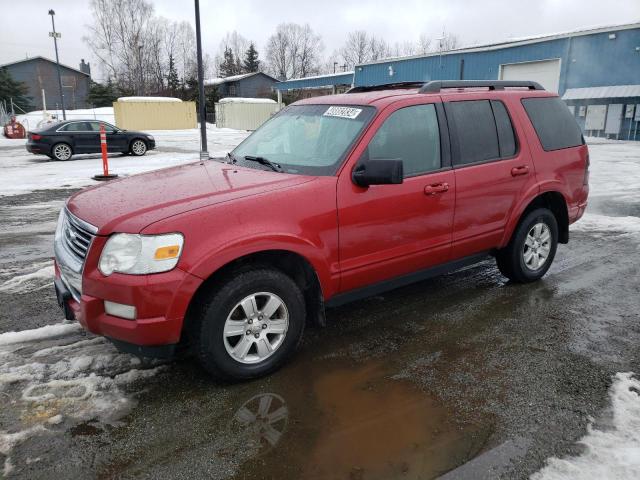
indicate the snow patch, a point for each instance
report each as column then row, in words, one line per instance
column 149, row 99
column 592, row 222
column 610, row 452
column 246, row 100
column 54, row 375
column 42, row 333
column 39, row 118
column 29, row 282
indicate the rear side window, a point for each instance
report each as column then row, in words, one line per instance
column 412, row 135
column 553, row 122
column 477, row 136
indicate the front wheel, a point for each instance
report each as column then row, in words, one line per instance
column 532, row 247
column 138, row 147
column 250, row 325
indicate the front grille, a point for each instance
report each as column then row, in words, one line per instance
column 77, row 238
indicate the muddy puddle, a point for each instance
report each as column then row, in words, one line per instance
column 354, row 422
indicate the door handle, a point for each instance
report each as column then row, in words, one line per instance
column 436, row 188
column 521, row 170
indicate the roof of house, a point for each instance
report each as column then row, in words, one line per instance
column 613, row 91
column 39, row 57
column 514, row 42
column 234, row 78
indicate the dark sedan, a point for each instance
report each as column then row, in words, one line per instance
column 61, row 141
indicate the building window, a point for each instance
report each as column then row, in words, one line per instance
column 232, row 89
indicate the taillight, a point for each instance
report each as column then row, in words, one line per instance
column 35, row 136
column 586, row 171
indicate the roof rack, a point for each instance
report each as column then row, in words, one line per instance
column 436, row 85
column 386, row 86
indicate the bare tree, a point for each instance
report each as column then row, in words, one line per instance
column 294, row 51
column 424, row 44
column 448, row 41
column 134, row 46
column 361, row 47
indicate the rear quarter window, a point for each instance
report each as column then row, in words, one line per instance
column 555, row 126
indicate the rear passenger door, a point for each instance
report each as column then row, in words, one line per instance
column 82, row 136
column 491, row 172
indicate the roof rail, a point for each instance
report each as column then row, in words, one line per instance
column 436, row 85
column 385, row 86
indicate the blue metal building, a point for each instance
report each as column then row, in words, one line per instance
column 581, row 66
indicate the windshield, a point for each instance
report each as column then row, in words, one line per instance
column 307, row 139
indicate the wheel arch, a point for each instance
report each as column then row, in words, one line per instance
column 552, row 200
column 66, row 142
column 299, row 268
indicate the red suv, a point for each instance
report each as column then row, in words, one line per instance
column 333, row 199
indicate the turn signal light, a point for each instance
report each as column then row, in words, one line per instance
column 164, row 253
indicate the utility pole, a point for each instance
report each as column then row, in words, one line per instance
column 55, row 36
column 204, row 154
column 335, row 64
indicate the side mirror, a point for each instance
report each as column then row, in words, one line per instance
column 378, row 172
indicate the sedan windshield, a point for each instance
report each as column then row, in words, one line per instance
column 306, row 139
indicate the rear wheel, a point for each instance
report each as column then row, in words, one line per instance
column 61, row 151
column 532, row 247
column 250, row 325
column 138, row 147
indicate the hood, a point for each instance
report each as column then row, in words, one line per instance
column 131, row 204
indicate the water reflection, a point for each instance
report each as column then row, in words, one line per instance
column 260, row 423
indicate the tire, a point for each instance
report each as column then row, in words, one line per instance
column 61, row 152
column 523, row 260
column 215, row 344
column 138, row 147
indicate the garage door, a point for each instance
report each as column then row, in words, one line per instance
column 545, row 72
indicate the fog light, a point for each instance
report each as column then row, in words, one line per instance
column 120, row 310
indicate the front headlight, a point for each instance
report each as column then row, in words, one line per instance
column 140, row 254
column 150, row 137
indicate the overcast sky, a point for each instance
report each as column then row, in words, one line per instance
column 25, row 23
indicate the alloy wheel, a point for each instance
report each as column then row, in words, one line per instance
column 537, row 246
column 256, row 327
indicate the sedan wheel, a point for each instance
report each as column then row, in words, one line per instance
column 138, row 148
column 62, row 152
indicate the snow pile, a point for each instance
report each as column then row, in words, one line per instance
column 610, row 453
column 150, row 99
column 37, row 118
column 246, row 100
column 55, row 375
column 28, row 282
column 592, row 222
column 220, row 80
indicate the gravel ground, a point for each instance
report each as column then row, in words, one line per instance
column 462, row 376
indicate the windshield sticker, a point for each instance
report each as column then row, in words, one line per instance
column 343, row 112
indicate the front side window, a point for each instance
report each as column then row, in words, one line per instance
column 412, row 135
column 307, row 139
column 95, row 126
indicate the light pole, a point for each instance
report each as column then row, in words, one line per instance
column 204, row 154
column 55, row 36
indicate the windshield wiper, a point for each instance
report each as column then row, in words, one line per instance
column 263, row 161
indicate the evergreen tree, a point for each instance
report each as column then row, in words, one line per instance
column 251, row 63
column 12, row 90
column 173, row 82
column 102, row 95
column 228, row 67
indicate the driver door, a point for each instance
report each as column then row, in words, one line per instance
column 388, row 231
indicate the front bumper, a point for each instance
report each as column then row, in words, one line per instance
column 161, row 301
